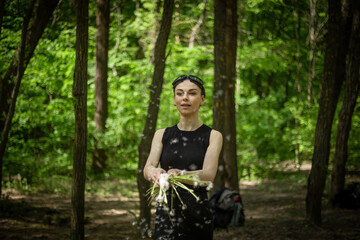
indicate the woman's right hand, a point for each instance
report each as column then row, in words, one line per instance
column 155, row 174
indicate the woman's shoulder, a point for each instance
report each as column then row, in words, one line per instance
column 160, row 131
column 215, row 134
column 212, row 131
column 159, row 134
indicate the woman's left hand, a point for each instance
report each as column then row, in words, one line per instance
column 173, row 171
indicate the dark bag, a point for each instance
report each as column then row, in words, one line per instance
column 227, row 208
column 349, row 198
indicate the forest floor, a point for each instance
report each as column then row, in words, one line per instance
column 274, row 209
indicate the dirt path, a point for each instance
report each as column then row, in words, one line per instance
column 273, row 209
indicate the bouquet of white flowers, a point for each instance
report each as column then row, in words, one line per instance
column 172, row 182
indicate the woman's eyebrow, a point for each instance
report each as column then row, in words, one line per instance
column 191, row 89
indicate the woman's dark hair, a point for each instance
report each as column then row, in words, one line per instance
column 193, row 79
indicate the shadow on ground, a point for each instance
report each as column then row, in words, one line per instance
column 274, row 209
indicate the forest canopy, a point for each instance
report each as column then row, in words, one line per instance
column 275, row 113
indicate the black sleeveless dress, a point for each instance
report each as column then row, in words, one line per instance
column 185, row 150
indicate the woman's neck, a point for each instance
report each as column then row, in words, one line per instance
column 189, row 124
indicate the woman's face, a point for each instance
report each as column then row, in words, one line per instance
column 188, row 98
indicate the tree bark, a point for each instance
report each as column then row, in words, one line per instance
column 225, row 41
column 153, row 110
column 43, row 13
column 298, row 47
column 196, row 29
column 15, row 91
column 80, row 107
column 156, row 29
column 312, row 40
column 230, row 158
column 219, row 82
column 337, row 43
column 347, row 109
column 101, row 84
column 298, row 77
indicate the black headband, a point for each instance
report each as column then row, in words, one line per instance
column 193, row 79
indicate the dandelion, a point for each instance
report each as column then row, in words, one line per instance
column 210, row 186
column 159, row 199
column 172, row 212
column 165, row 182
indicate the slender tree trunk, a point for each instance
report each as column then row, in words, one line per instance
column 118, row 35
column 219, row 82
column 298, row 47
column 43, row 13
column 230, row 159
column 241, row 13
column 347, row 109
column 177, row 18
column 198, row 25
column 15, row 91
column 156, row 29
column 225, row 40
column 80, row 107
column 298, row 78
column 153, row 110
column 101, row 84
column 312, row 40
column 337, row 43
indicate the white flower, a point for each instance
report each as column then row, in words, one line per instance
column 172, row 212
column 210, row 186
column 163, row 181
column 159, row 199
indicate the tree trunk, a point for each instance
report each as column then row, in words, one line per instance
column 219, row 82
column 177, row 18
column 298, row 78
column 312, row 40
column 337, row 42
column 43, row 13
column 225, row 41
column 153, row 110
column 101, row 84
column 347, row 109
column 15, row 91
column 196, row 29
column 156, row 29
column 230, row 159
column 80, row 107
column 298, row 47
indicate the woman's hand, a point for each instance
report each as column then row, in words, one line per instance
column 174, row 172
column 155, row 173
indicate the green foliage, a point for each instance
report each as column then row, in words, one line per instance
column 275, row 126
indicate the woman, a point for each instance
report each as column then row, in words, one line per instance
column 189, row 146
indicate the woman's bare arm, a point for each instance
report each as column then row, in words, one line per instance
column 151, row 169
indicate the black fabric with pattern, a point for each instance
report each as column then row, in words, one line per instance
column 185, row 150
